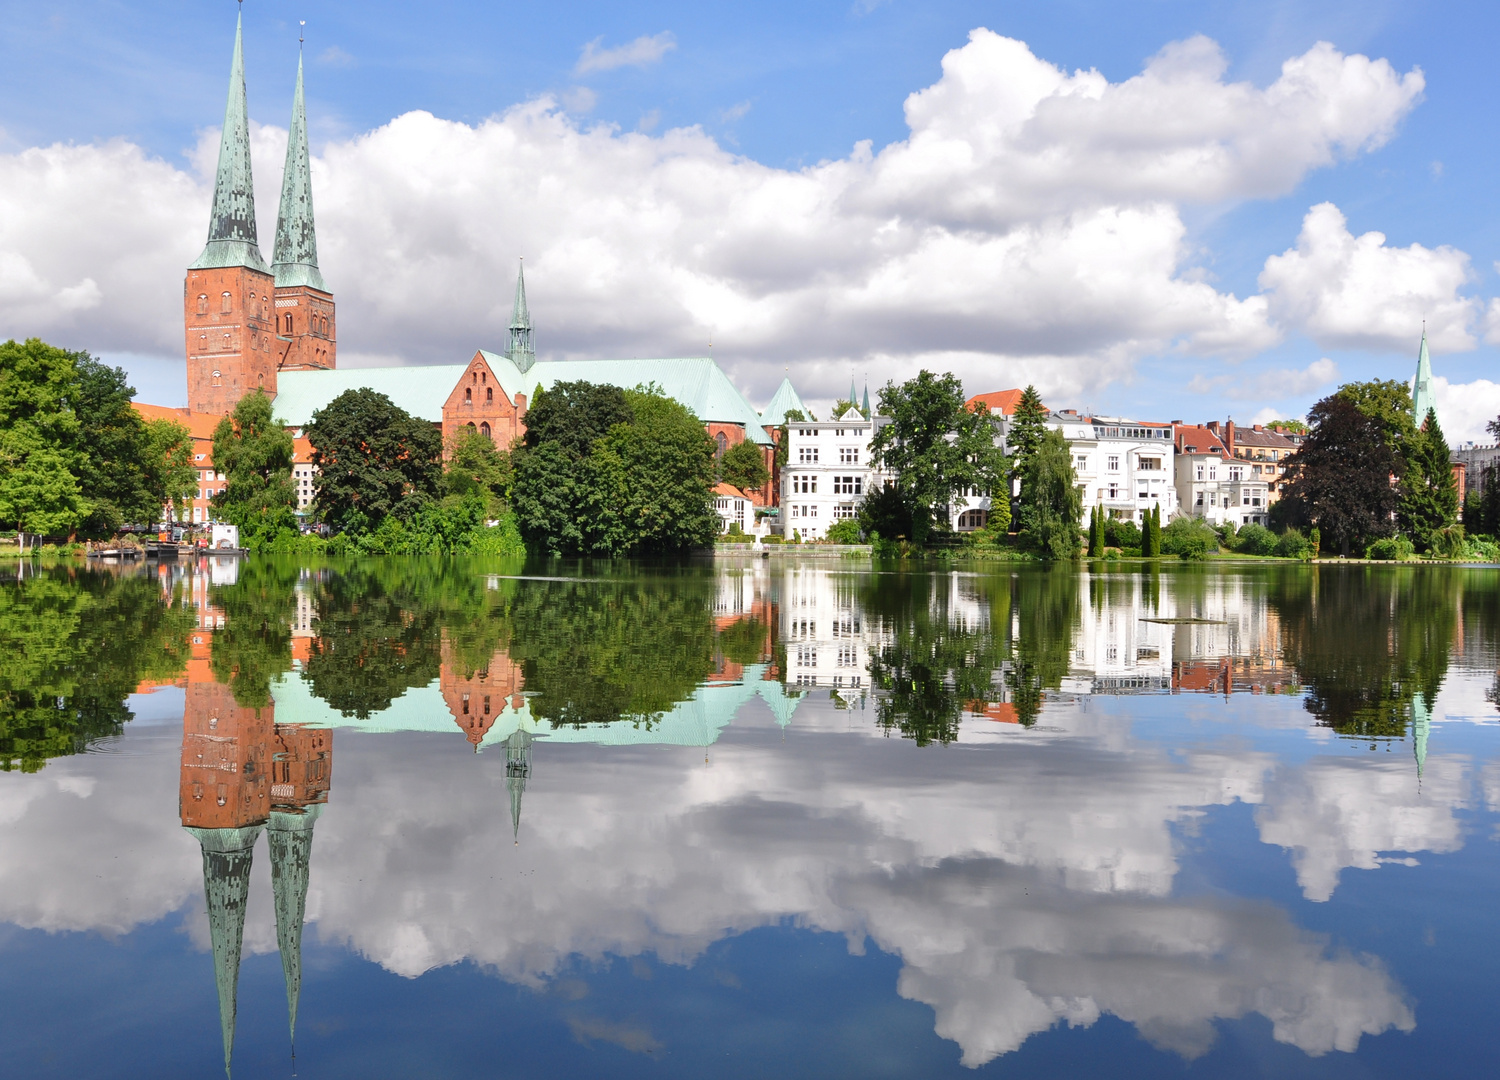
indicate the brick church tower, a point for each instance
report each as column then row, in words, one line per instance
column 241, row 326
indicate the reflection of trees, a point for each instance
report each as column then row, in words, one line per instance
column 605, row 649
column 935, row 654
column 255, row 644
column 1046, row 606
column 1366, row 639
column 73, row 645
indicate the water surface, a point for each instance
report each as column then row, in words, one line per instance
column 468, row 818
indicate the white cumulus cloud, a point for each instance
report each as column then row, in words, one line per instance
column 1355, row 292
column 1028, row 229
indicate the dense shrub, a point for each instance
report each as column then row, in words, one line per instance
column 1256, row 540
column 1293, row 545
column 1121, row 533
column 1188, row 538
column 1450, row 543
column 1394, row 548
column 844, row 532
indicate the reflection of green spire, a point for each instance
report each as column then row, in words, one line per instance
column 226, row 884
column 517, row 770
column 1421, row 723
column 290, row 837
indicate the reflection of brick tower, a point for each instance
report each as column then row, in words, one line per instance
column 477, row 701
column 228, row 296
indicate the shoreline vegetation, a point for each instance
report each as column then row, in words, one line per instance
column 606, row 472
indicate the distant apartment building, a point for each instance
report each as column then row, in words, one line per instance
column 1213, row 484
column 827, row 473
column 734, row 507
column 1125, row 466
column 1265, row 448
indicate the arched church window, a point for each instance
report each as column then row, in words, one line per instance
column 226, row 303
column 287, row 322
column 484, row 377
column 468, row 395
column 470, row 425
column 489, row 393
column 203, row 303
column 484, row 429
column 217, row 377
column 722, row 442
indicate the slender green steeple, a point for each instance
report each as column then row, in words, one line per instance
column 517, row 772
column 1421, row 726
column 1421, row 390
column 290, row 836
column 865, row 408
column 522, row 350
column 231, row 226
column 853, row 395
column 296, row 253
column 226, row 885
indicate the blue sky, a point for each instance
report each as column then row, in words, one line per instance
column 777, row 85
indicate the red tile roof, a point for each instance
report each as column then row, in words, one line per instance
column 1199, row 438
column 999, row 401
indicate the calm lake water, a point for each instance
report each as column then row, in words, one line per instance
column 763, row 819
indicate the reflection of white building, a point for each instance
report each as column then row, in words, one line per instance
column 823, row 630
column 827, row 473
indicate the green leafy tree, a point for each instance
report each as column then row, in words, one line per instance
column 935, row 445
column 1429, row 491
column 886, row 512
column 374, row 460
column 783, row 434
column 572, row 415
column 254, row 453
column 744, row 466
column 41, row 451
column 1387, row 402
column 1051, row 507
column 1288, row 427
column 477, row 468
column 642, row 485
column 1340, row 476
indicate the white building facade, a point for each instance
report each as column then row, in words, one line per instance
column 1124, row 466
column 1213, row 485
column 827, row 473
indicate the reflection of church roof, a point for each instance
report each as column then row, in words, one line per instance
column 227, row 854
column 694, row 722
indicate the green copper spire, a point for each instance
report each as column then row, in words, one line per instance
column 517, row 772
column 290, row 836
column 296, row 252
column 226, row 884
column 1421, row 391
column 231, row 227
column 865, row 408
column 1421, row 726
column 522, row 350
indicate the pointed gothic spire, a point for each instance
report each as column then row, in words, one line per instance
column 290, row 837
column 231, row 226
column 1421, row 727
column 866, row 407
column 296, row 252
column 1421, row 392
column 853, row 396
column 517, row 771
column 522, row 350
column 227, row 854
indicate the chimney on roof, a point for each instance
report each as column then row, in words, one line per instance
column 1212, row 425
column 1259, row 427
column 1229, row 436
column 1176, row 423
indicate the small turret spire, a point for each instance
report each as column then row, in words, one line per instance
column 231, row 225
column 866, row 407
column 522, row 350
column 296, row 251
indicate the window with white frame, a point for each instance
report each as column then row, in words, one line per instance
column 805, row 485
column 844, row 511
column 807, row 455
column 848, row 485
column 848, row 455
column 1113, row 492
column 1236, row 475
column 1081, row 462
column 1149, row 464
column 1114, row 462
column 848, row 656
column 807, row 656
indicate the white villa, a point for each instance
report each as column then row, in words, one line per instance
column 827, row 472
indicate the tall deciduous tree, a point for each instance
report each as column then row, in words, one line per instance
column 1429, row 492
column 255, row 455
column 476, row 467
column 1051, row 507
column 1341, row 475
column 744, row 466
column 935, row 445
column 1388, row 403
column 40, row 452
column 374, row 459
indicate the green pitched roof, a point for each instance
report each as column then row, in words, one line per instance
column 782, row 402
column 296, row 253
column 231, row 225
column 421, row 391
